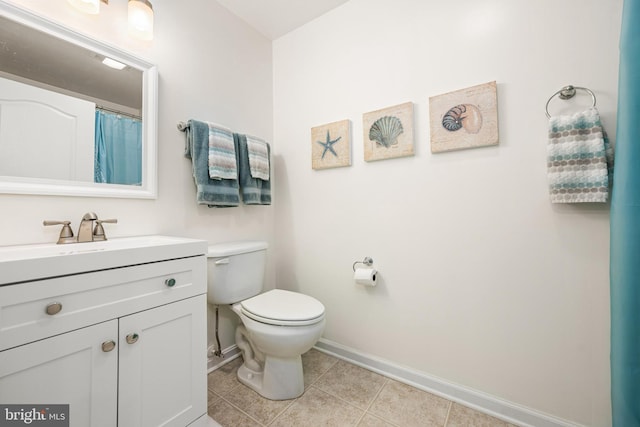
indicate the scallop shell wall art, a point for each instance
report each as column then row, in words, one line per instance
column 465, row 118
column 386, row 130
column 388, row 133
column 331, row 145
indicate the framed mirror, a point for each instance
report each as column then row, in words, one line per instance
column 78, row 117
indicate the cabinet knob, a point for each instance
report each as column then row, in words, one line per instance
column 53, row 308
column 170, row 282
column 132, row 338
column 107, row 346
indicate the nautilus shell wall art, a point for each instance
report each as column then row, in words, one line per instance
column 388, row 133
column 465, row 118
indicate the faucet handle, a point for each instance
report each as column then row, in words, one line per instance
column 98, row 231
column 66, row 234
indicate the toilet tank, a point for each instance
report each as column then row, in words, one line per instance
column 235, row 271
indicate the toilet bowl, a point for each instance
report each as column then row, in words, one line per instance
column 277, row 326
column 277, row 341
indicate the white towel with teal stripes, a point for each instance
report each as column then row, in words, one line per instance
column 580, row 158
column 258, row 158
column 223, row 163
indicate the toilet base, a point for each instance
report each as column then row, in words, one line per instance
column 281, row 378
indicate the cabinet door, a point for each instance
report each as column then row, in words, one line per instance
column 71, row 369
column 162, row 377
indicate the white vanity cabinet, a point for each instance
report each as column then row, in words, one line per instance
column 69, row 369
column 123, row 346
column 163, row 365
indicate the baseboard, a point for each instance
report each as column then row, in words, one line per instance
column 482, row 402
column 228, row 354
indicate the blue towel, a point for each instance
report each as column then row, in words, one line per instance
column 254, row 191
column 220, row 193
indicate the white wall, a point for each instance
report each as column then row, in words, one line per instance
column 483, row 282
column 212, row 66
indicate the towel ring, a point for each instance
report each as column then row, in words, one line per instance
column 569, row 92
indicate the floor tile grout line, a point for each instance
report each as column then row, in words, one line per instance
column 293, row 401
column 243, row 412
column 236, row 407
column 339, row 398
column 359, row 420
column 368, row 411
column 365, row 411
column 324, row 373
column 446, row 419
column 385, row 380
column 384, row 384
column 345, row 401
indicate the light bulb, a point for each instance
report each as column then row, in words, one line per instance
column 86, row 6
column 141, row 19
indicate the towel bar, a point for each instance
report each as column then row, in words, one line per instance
column 182, row 126
column 568, row 92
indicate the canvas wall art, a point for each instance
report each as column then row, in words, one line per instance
column 465, row 118
column 331, row 145
column 388, row 133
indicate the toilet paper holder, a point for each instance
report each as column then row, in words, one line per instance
column 366, row 261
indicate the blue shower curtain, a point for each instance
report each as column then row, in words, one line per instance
column 118, row 149
column 625, row 230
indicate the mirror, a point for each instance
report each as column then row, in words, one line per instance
column 69, row 124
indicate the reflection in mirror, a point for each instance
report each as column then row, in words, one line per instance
column 77, row 117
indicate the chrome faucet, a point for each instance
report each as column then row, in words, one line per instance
column 85, row 231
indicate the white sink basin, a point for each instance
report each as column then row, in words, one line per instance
column 31, row 262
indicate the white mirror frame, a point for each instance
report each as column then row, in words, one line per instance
column 148, row 190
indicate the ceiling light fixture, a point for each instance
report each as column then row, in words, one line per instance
column 141, row 19
column 88, row 6
column 140, row 15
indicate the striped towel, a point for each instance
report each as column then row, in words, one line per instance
column 222, row 153
column 580, row 158
column 258, row 158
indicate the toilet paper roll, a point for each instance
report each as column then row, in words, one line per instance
column 365, row 276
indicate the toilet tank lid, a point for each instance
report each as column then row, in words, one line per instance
column 235, row 248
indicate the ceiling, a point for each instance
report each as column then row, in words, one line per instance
column 275, row 18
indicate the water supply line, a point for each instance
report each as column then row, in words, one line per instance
column 218, row 351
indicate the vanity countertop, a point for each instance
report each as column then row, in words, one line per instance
column 22, row 263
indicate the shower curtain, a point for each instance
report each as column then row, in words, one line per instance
column 118, row 149
column 625, row 230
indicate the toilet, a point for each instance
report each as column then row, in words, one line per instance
column 277, row 327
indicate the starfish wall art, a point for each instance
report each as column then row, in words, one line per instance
column 331, row 145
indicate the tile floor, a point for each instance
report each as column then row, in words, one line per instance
column 339, row 394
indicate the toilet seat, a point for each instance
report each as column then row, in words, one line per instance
column 283, row 308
